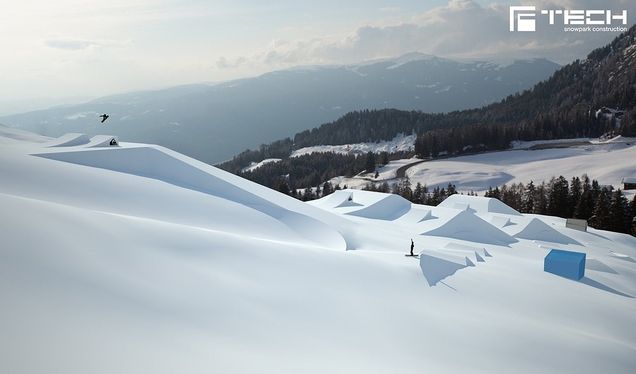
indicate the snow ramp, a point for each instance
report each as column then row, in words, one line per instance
column 337, row 199
column 501, row 221
column 465, row 225
column 536, row 229
column 389, row 207
column 437, row 266
column 69, row 140
column 478, row 251
column 170, row 167
column 103, row 141
column 417, row 214
column 477, row 204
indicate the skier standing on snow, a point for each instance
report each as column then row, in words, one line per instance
column 412, row 246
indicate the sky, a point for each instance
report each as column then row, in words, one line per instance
column 65, row 51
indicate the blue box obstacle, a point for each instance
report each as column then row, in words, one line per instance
column 565, row 263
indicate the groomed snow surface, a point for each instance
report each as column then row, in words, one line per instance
column 136, row 259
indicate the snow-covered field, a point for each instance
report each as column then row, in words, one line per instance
column 136, row 259
column 608, row 162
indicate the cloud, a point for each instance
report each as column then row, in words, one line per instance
column 390, row 9
column 459, row 29
column 225, row 63
column 79, row 44
column 73, row 45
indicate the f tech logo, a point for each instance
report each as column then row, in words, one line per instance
column 523, row 17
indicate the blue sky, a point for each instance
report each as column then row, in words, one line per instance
column 71, row 49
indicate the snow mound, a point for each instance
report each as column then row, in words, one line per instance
column 536, row 229
column 437, row 266
column 69, row 140
column 388, row 208
column 465, row 225
column 158, row 163
column 365, row 204
column 480, row 205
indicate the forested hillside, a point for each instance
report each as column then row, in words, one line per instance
column 574, row 102
column 564, row 106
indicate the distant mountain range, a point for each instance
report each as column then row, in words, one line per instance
column 215, row 122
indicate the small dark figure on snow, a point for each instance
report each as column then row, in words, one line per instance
column 104, row 117
column 412, row 246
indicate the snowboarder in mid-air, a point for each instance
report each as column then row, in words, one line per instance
column 104, row 117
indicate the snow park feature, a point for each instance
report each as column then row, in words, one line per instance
column 567, row 264
column 69, row 140
column 138, row 259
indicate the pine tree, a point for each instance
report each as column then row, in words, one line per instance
column 600, row 218
column 369, row 165
column 541, row 200
column 585, row 206
column 528, row 198
column 308, row 194
column 450, row 190
column 558, row 201
column 327, row 188
column 576, row 190
column 405, row 190
column 418, row 194
column 618, row 212
column 384, row 158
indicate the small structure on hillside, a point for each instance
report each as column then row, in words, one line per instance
column 629, row 183
column 566, row 264
column 576, row 224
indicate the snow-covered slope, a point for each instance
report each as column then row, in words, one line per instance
column 255, row 165
column 401, row 143
column 137, row 259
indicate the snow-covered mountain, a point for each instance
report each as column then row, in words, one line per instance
column 133, row 258
column 214, row 122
